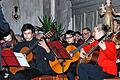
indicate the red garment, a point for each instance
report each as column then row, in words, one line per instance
column 107, row 57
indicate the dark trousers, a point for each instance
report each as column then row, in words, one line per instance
column 1, row 78
column 91, row 72
column 71, row 75
column 71, row 72
column 30, row 73
column 27, row 74
column 1, row 75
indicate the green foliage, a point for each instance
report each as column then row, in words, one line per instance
column 48, row 24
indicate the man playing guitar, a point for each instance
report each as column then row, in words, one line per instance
column 106, row 63
column 41, row 54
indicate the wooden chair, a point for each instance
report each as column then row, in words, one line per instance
column 49, row 77
column 45, row 77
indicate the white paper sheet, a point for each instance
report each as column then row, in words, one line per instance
column 21, row 59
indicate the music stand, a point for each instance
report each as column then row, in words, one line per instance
column 13, row 59
column 60, row 52
column 9, row 59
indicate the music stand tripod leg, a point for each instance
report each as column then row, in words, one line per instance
column 63, row 69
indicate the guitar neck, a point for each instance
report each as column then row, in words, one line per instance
column 93, row 49
column 76, row 50
column 33, row 47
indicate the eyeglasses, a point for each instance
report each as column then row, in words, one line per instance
column 85, row 33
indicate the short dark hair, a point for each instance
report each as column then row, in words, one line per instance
column 70, row 32
column 77, row 32
column 28, row 26
column 86, row 28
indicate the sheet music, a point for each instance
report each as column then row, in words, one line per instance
column 21, row 59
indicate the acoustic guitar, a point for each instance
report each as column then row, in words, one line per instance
column 58, row 68
column 56, row 64
column 91, row 56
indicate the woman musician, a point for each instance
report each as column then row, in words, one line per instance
column 106, row 62
column 10, row 40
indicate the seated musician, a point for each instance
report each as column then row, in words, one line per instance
column 70, row 40
column 4, row 31
column 78, row 37
column 7, row 43
column 9, row 40
column 86, row 34
column 39, row 64
column 105, row 66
